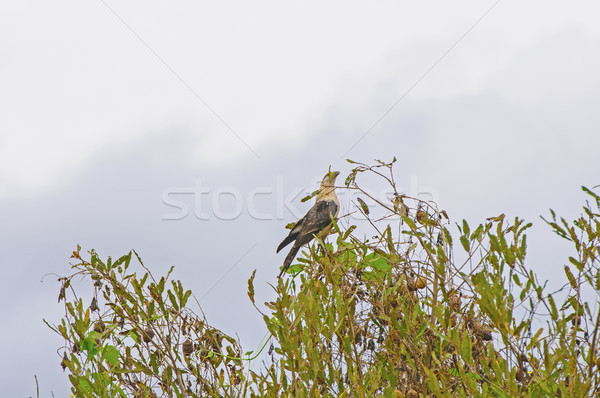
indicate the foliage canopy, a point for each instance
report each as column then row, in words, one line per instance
column 403, row 311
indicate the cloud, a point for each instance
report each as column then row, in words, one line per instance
column 95, row 129
column 73, row 86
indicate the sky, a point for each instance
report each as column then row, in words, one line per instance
column 113, row 115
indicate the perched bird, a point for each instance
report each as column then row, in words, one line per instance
column 317, row 222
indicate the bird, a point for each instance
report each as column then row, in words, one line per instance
column 317, row 222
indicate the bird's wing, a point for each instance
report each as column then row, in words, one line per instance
column 317, row 219
column 292, row 235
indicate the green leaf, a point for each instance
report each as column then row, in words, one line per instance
column 111, row 354
column 465, row 228
column 185, row 298
column 466, row 349
column 347, row 254
column 89, row 345
column 592, row 194
column 84, row 384
column 553, row 310
column 570, row 277
column 294, row 268
column 375, row 261
column 465, row 243
column 576, row 264
column 534, row 339
column 421, row 330
column 348, row 232
column 173, row 300
column 308, row 197
column 363, row 206
column 251, row 287
column 123, row 260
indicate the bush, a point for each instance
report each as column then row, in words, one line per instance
column 403, row 313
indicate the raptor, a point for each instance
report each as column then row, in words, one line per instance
column 317, row 222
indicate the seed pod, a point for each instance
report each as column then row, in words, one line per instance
column 371, row 345
column 453, row 320
column 357, row 338
column 99, row 326
column 475, row 326
column 519, row 376
column 449, row 348
column 523, row 358
column 421, row 216
column 486, row 335
column 94, row 305
column 65, row 362
column 61, row 294
column 188, row 347
column 147, row 334
column 454, row 302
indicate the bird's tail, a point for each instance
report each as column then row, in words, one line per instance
column 286, row 242
column 289, row 258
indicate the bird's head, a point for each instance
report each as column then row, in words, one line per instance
column 329, row 179
column 328, row 184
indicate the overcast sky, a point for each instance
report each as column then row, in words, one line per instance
column 108, row 109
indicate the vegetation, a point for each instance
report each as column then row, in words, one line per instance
column 408, row 310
